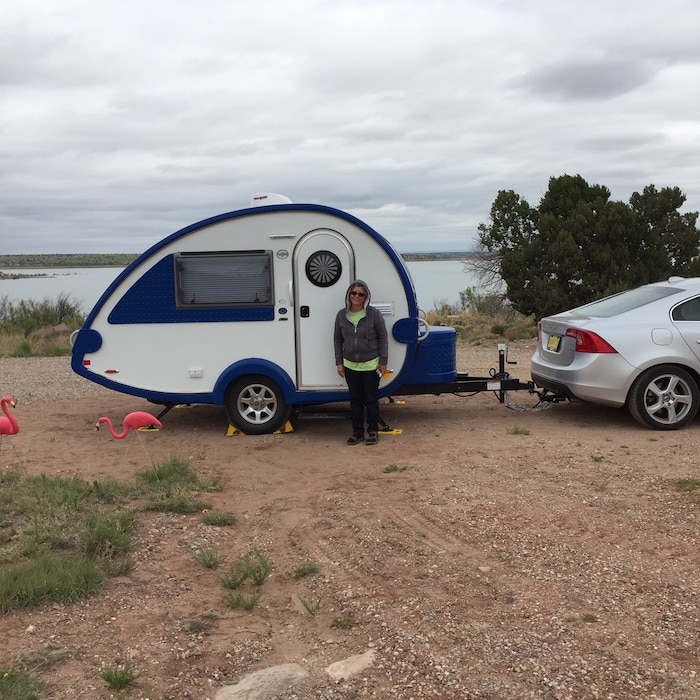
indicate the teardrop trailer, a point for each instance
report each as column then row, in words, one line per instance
column 237, row 311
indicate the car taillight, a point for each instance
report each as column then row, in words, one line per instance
column 589, row 342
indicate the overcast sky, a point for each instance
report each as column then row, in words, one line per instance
column 121, row 122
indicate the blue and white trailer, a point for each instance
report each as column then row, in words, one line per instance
column 238, row 310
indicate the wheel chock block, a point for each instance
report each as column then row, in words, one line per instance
column 286, row 428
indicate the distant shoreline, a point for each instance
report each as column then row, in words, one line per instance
column 51, row 260
column 58, row 260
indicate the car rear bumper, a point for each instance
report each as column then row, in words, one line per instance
column 555, row 387
column 597, row 381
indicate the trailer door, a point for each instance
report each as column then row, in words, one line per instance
column 324, row 267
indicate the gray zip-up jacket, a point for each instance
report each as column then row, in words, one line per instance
column 365, row 341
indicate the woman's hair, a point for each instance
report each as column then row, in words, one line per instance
column 357, row 284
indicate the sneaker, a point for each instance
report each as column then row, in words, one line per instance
column 372, row 439
column 355, row 439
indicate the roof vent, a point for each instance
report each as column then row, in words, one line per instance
column 262, row 199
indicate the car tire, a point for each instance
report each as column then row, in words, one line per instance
column 664, row 398
column 255, row 405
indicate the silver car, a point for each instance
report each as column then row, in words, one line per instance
column 639, row 348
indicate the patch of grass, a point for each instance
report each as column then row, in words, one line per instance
column 174, row 472
column 182, row 504
column 311, row 606
column 688, row 484
column 203, row 623
column 394, row 468
column 169, row 487
column 589, row 618
column 344, row 623
column 18, row 684
column 260, row 566
column 237, row 576
column 239, row 599
column 251, row 569
column 254, row 566
column 517, row 430
column 306, row 570
column 218, row 519
column 60, row 538
column 119, row 678
column 196, row 627
column 209, row 558
column 106, row 535
column 597, row 458
column 56, row 578
column 42, row 658
column 601, row 486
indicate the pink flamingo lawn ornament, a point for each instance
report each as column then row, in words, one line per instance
column 8, row 424
column 138, row 421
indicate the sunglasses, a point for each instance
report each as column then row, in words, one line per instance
column 357, row 294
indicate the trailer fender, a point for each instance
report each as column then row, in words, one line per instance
column 254, row 366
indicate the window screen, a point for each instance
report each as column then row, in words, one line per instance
column 224, row 279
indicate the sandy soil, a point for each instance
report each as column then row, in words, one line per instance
column 482, row 552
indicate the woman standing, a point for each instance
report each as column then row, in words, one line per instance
column 361, row 356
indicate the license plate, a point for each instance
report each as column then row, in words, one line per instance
column 553, row 342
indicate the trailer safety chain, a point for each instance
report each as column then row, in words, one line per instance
column 545, row 398
column 513, row 405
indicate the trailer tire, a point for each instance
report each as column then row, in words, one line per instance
column 255, row 405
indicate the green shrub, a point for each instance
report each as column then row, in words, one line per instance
column 38, row 328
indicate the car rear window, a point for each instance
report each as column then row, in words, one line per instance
column 626, row 301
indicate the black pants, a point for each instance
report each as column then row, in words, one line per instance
column 363, row 388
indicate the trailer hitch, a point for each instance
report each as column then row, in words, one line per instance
column 545, row 400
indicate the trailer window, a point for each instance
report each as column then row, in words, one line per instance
column 224, row 279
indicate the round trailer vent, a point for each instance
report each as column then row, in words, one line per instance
column 323, row 268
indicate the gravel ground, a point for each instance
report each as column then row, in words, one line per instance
column 41, row 379
column 484, row 554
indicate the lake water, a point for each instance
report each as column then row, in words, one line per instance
column 436, row 282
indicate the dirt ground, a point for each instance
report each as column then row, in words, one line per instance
column 482, row 552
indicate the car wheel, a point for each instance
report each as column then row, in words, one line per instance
column 664, row 398
column 255, row 405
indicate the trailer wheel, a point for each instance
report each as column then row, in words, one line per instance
column 255, row 405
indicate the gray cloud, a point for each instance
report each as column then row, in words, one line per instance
column 121, row 125
column 589, row 80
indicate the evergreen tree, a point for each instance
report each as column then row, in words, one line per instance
column 578, row 245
